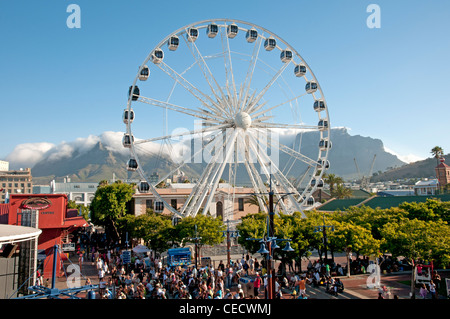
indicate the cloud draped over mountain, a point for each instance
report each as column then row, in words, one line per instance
column 94, row 158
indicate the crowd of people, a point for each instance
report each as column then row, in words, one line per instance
column 148, row 278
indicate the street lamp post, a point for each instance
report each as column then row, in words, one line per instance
column 230, row 234
column 323, row 229
column 196, row 239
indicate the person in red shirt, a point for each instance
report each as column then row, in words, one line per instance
column 256, row 285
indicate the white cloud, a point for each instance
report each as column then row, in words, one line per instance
column 28, row 154
column 409, row 158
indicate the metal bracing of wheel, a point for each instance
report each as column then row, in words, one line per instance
column 240, row 88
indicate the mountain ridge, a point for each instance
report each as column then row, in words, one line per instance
column 103, row 160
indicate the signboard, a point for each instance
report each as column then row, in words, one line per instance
column 36, row 203
column 126, row 256
column 68, row 247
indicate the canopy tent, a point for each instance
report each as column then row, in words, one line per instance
column 141, row 249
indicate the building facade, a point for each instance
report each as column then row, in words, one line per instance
column 426, row 187
column 228, row 203
column 79, row 192
column 443, row 173
column 15, row 182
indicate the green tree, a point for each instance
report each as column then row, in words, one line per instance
column 349, row 237
column 418, row 239
column 80, row 207
column 253, row 200
column 342, row 192
column 208, row 227
column 432, row 209
column 109, row 204
column 332, row 180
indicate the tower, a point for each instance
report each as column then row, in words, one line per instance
column 443, row 173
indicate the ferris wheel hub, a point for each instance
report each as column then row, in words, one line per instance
column 243, row 120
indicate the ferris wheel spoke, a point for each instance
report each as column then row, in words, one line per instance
column 287, row 186
column 273, row 107
column 269, row 125
column 218, row 173
column 190, row 207
column 203, row 98
column 188, row 133
column 200, row 61
column 256, row 100
column 267, row 168
column 255, row 179
column 198, row 113
column 229, row 76
column 250, row 71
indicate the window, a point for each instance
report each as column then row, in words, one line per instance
column 241, row 204
column 149, row 204
column 173, row 203
column 159, row 206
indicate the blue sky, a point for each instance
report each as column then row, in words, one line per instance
column 58, row 84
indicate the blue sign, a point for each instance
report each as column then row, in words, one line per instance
column 126, row 256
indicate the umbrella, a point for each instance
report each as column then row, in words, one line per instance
column 140, row 249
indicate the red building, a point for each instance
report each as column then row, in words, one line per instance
column 54, row 219
column 443, row 173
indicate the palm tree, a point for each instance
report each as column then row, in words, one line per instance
column 342, row 192
column 437, row 151
column 253, row 200
column 332, row 180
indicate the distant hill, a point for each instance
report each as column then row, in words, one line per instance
column 419, row 169
column 101, row 161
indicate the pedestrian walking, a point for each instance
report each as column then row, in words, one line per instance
column 423, row 291
column 432, row 289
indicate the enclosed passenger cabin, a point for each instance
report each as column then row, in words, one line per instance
column 144, row 73
column 318, row 182
column 286, row 55
column 323, row 125
column 173, row 43
column 300, row 70
column 319, row 105
column 212, row 30
column 127, row 140
column 324, row 144
column 132, row 165
column 323, row 164
column 128, row 116
column 157, row 56
column 311, row 87
column 310, row 201
column 270, row 44
column 251, row 35
column 192, row 34
column 144, row 187
column 136, row 93
column 232, row 30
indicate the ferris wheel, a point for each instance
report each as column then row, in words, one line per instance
column 239, row 103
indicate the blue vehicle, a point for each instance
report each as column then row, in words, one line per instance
column 179, row 257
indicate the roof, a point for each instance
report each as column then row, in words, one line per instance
column 381, row 202
column 12, row 234
column 430, row 182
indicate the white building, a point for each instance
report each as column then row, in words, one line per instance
column 426, row 187
column 81, row 192
column 4, row 166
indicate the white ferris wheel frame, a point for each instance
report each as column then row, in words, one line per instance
column 206, row 187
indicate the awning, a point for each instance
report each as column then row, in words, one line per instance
column 10, row 234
